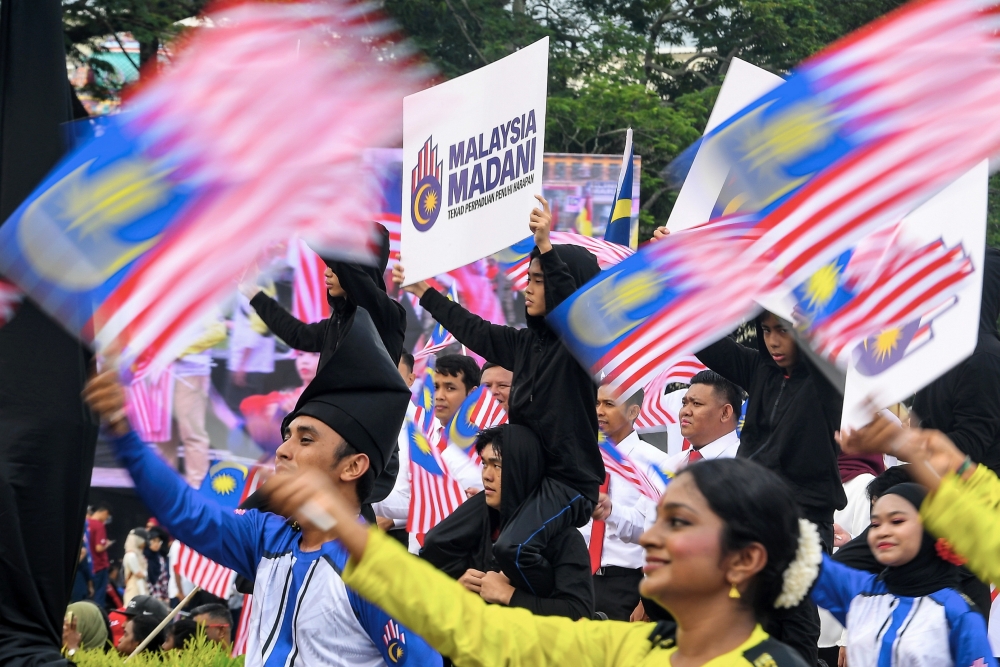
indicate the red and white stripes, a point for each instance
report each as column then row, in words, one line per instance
column 205, row 573
column 309, row 302
column 149, row 402
column 655, row 411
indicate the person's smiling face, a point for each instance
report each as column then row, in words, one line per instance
column 683, row 547
column 897, row 531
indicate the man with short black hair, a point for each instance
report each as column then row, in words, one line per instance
column 405, row 366
column 710, row 411
column 136, row 631
column 217, row 622
column 455, row 376
column 622, row 512
column 497, row 379
column 344, row 426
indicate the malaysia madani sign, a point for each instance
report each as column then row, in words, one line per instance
column 472, row 163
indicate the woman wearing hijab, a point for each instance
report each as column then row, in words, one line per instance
column 726, row 549
column 911, row 614
column 461, row 545
column 134, row 565
column 85, row 627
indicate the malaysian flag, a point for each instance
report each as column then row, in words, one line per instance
column 440, row 337
column 908, row 283
column 619, row 464
column 479, row 410
column 624, row 323
column 864, row 132
column 424, row 415
column 619, row 229
column 149, row 402
column 10, row 299
column 434, row 493
column 243, row 627
column 309, row 302
column 392, row 223
column 515, row 260
column 254, row 133
column 204, row 573
column 655, row 414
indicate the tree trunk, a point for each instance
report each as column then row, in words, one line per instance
column 147, row 55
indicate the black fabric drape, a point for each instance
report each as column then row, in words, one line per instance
column 46, row 435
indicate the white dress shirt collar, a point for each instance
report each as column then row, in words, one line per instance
column 723, row 448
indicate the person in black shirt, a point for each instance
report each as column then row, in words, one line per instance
column 551, row 393
column 964, row 403
column 462, row 545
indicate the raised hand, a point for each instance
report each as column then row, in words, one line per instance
column 399, row 277
column 540, row 223
column 660, row 233
column 106, row 396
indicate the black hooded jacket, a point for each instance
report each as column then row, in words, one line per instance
column 465, row 538
column 964, row 403
column 550, row 393
column 790, row 422
column 365, row 288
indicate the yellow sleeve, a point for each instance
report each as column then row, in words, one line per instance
column 966, row 514
column 460, row 625
column 214, row 334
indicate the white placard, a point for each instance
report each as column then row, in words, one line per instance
column 472, row 163
column 744, row 83
column 957, row 215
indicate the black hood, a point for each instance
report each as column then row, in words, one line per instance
column 523, row 468
column 990, row 308
column 582, row 265
column 359, row 394
column 377, row 273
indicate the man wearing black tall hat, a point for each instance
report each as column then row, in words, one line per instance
column 345, row 424
column 349, row 287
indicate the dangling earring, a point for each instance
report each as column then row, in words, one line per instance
column 734, row 592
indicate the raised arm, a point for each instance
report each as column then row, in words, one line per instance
column 732, row 361
column 298, row 334
column 837, row 585
column 231, row 540
column 493, row 342
column 456, row 622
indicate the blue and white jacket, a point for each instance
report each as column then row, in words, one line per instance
column 886, row 630
column 303, row 615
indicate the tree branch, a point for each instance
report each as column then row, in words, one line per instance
column 468, row 38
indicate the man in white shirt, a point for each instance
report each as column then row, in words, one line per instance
column 709, row 413
column 622, row 513
column 498, row 380
column 455, row 376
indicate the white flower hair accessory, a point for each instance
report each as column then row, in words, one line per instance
column 801, row 572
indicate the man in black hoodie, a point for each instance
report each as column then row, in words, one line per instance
column 349, row 287
column 551, row 394
column 462, row 545
column 792, row 414
column 964, row 403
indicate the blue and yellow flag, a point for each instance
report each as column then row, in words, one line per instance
column 425, row 401
column 619, row 229
column 420, row 450
column 462, row 431
column 225, row 483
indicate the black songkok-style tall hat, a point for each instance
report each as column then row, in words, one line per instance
column 358, row 393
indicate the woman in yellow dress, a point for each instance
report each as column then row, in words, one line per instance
column 726, row 548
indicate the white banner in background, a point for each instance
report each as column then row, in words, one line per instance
column 472, row 163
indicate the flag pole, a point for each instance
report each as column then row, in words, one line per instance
column 173, row 612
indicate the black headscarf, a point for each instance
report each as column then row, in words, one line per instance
column 465, row 538
column 927, row 572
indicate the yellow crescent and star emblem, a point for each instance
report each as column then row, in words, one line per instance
column 607, row 310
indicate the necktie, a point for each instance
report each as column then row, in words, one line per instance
column 695, row 455
column 597, row 535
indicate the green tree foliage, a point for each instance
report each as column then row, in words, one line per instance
column 88, row 24
column 198, row 652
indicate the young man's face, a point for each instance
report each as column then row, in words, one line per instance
column 779, row 341
column 613, row 417
column 534, row 294
column 491, row 476
column 100, row 515
column 333, row 287
column 498, row 381
column 214, row 631
column 703, row 415
column 449, row 392
column 311, row 443
column 128, row 642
